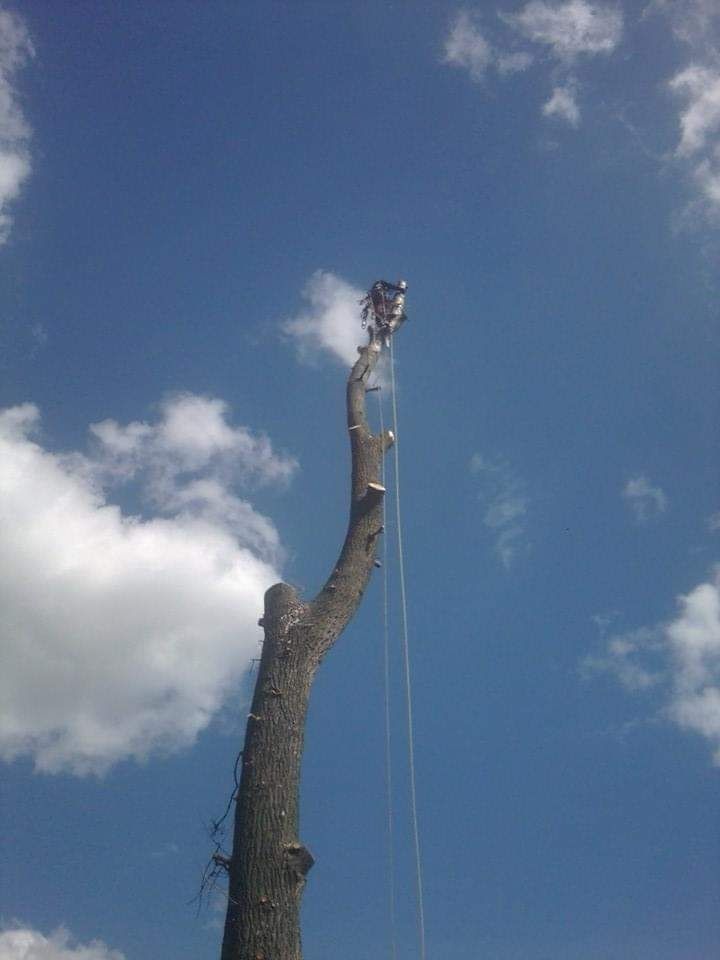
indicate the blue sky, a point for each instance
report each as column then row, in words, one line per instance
column 192, row 198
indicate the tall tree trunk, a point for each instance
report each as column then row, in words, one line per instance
column 269, row 863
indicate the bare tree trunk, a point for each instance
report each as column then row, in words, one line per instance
column 269, row 863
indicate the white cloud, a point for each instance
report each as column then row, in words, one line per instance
column 713, row 521
column 563, row 105
column 122, row 636
column 692, row 21
column 571, row 28
column 700, row 87
column 187, row 462
column 467, row 48
column 646, row 501
column 23, row 943
column 682, row 657
column 707, row 177
column 15, row 49
column 331, row 323
column 630, row 658
column 507, row 63
column 506, row 504
column 697, row 87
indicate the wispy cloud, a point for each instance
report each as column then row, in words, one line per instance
column 696, row 87
column 699, row 87
column 15, row 49
column 632, row 658
column 508, row 63
column 679, row 659
column 645, row 500
column 467, row 47
column 693, row 21
column 561, row 37
column 566, row 31
column 505, row 502
column 24, row 943
column 122, row 635
column 563, row 105
column 571, row 29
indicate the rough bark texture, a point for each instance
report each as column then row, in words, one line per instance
column 269, row 863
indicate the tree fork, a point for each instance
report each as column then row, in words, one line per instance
column 269, row 864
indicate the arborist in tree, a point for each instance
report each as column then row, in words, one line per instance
column 383, row 312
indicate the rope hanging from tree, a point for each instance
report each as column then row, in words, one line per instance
column 405, row 643
column 386, row 693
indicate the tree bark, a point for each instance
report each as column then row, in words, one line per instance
column 269, row 863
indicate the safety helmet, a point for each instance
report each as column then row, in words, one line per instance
column 402, row 285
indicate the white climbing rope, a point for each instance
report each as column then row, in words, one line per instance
column 388, row 741
column 406, row 659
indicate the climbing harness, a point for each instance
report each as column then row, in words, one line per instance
column 382, row 314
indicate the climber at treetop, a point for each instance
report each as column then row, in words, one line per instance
column 382, row 312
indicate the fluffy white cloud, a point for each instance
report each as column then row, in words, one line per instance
column 506, row 506
column 15, row 48
column 563, row 105
column 191, row 434
column 122, row 636
column 23, row 943
column 467, row 48
column 331, row 323
column 682, row 658
column 571, row 28
column 646, row 501
column 188, row 462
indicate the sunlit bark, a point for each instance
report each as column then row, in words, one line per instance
column 269, row 863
